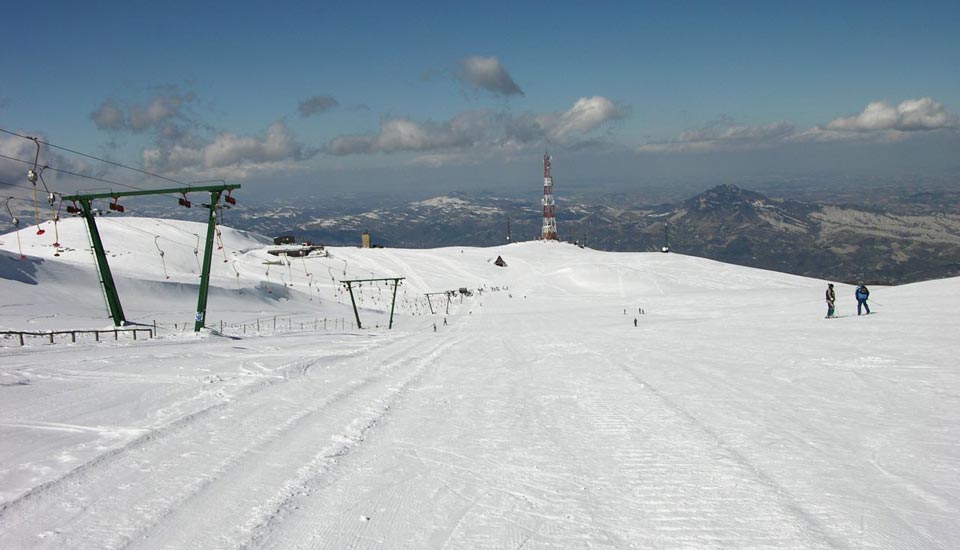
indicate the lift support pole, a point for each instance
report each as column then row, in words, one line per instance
column 106, row 278
column 356, row 313
column 201, row 317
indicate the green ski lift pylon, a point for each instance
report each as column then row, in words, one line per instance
column 201, row 316
column 349, row 284
column 106, row 278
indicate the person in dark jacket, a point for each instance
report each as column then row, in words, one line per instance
column 862, row 294
column 831, row 301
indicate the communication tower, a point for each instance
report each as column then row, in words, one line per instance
column 549, row 232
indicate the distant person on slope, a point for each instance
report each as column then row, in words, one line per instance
column 831, row 301
column 862, row 294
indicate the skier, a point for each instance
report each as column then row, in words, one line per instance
column 634, row 321
column 862, row 294
column 444, row 321
column 434, row 327
column 831, row 301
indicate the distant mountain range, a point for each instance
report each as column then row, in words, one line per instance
column 891, row 241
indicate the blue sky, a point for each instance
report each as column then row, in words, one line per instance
column 437, row 95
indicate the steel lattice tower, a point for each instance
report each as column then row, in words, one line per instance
column 549, row 232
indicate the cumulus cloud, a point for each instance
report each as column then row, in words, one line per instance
column 316, row 105
column 184, row 147
column 480, row 128
column 912, row 115
column 586, row 115
column 230, row 156
column 487, row 73
column 164, row 114
column 404, row 134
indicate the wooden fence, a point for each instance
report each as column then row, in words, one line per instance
column 20, row 334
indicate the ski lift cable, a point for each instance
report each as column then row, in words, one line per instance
column 62, row 171
column 8, row 184
column 113, row 163
column 86, row 176
column 145, row 232
column 77, row 175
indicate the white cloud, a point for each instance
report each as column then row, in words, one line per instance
column 911, row 115
column 724, row 135
column 586, row 115
column 487, row 73
column 481, row 128
column 878, row 122
column 316, row 105
column 402, row 134
column 230, row 156
column 162, row 113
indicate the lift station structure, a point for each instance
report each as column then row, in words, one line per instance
column 103, row 267
column 549, row 231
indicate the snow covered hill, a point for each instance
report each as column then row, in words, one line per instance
column 543, row 411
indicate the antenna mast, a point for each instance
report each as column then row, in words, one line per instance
column 549, row 232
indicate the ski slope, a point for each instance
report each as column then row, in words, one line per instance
column 733, row 415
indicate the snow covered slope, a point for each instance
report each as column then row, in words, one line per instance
column 733, row 415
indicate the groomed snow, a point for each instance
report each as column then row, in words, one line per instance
column 733, row 415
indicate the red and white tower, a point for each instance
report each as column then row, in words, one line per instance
column 549, row 207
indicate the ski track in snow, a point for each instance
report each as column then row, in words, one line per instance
column 732, row 416
column 161, row 484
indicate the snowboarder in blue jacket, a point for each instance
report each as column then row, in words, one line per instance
column 862, row 294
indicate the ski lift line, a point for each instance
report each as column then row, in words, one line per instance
column 16, row 223
column 19, row 199
column 120, row 165
column 145, row 232
column 75, row 174
column 54, row 213
column 174, row 226
column 21, row 186
column 162, row 261
column 32, row 177
column 196, row 251
column 220, row 244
